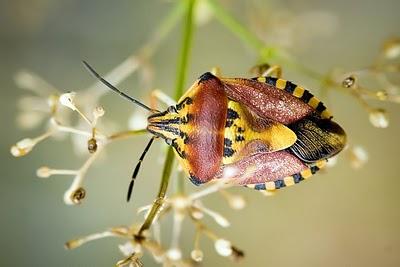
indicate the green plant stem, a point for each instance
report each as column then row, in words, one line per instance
column 158, row 202
column 186, row 44
column 182, row 69
column 180, row 82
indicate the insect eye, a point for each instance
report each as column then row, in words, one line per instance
column 172, row 109
column 169, row 141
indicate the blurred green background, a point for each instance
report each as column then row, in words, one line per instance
column 343, row 217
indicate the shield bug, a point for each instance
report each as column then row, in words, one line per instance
column 265, row 133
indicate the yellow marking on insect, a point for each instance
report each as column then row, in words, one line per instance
column 326, row 114
column 270, row 186
column 320, row 164
column 314, row 102
column 240, row 133
column 280, row 84
column 306, row 173
column 261, row 79
column 298, row 91
column 289, row 181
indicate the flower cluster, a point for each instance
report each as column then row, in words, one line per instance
column 374, row 82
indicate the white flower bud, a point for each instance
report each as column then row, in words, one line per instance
column 67, row 100
column 222, row 221
column 229, row 172
column 43, row 172
column 197, row 214
column 174, row 254
column 29, row 119
column 378, row 118
column 197, row 255
column 392, row 48
column 203, row 13
column 331, row 161
column 237, row 202
column 223, row 247
column 138, row 120
column 25, row 80
column 358, row 157
column 127, row 248
column 98, row 112
column 23, row 147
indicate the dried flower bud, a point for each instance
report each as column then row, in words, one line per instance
column 223, row 247
column 43, row 172
column 74, row 197
column 391, row 48
column 382, row 95
column 378, row 118
column 78, row 195
column 131, row 261
column 67, row 100
column 197, row 255
column 349, row 82
column 71, row 244
column 92, row 145
column 174, row 254
column 237, row 254
column 23, row 147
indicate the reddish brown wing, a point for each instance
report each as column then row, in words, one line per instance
column 266, row 100
column 262, row 167
column 318, row 137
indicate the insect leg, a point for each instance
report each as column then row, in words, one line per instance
column 216, row 71
column 136, row 170
column 267, row 70
column 274, row 70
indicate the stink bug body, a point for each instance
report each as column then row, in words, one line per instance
column 265, row 133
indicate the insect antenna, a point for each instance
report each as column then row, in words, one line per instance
column 115, row 89
column 136, row 171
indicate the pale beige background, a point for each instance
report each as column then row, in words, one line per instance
column 341, row 218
